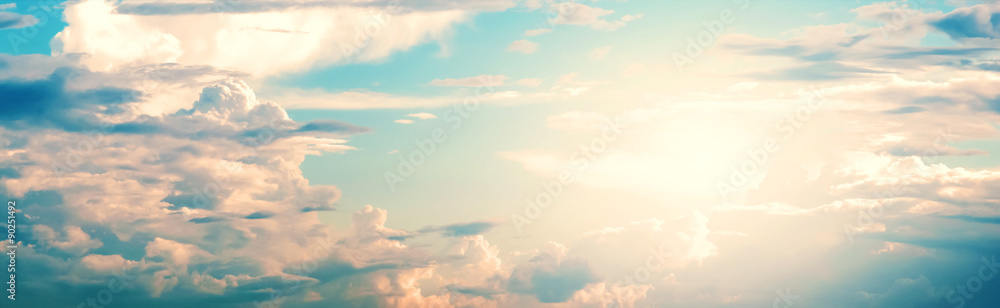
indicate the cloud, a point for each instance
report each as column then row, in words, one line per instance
column 550, row 277
column 422, row 115
column 523, row 46
column 915, row 292
column 478, row 81
column 202, row 180
column 819, row 71
column 404, row 121
column 355, row 99
column 363, row 99
column 182, row 8
column 199, row 195
column 599, row 53
column 74, row 240
column 7, row 6
column 49, row 103
column 264, row 214
column 10, row 20
column 463, row 229
column 205, row 220
column 579, row 14
column 977, row 21
column 320, row 208
column 104, row 30
column 536, row 32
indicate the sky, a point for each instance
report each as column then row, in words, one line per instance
column 501, row 153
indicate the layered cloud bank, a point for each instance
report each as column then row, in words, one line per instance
column 849, row 166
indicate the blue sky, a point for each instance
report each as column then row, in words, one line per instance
column 564, row 154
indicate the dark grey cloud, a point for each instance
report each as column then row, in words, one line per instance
column 816, row 72
column 462, row 229
column 9, row 173
column 481, row 292
column 799, row 51
column 991, row 65
column 261, row 215
column 977, row 219
column 905, row 110
column 205, row 220
column 980, row 21
column 49, row 103
column 911, row 53
column 320, row 208
column 552, row 281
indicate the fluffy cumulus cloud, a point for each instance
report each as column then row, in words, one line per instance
column 116, row 34
column 209, row 205
column 189, row 186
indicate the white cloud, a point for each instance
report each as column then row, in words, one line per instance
column 228, row 40
column 579, row 14
column 535, row 32
column 481, row 80
column 532, row 4
column 74, row 240
column 422, row 115
column 600, row 52
column 320, row 99
column 523, row 46
column 404, row 121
